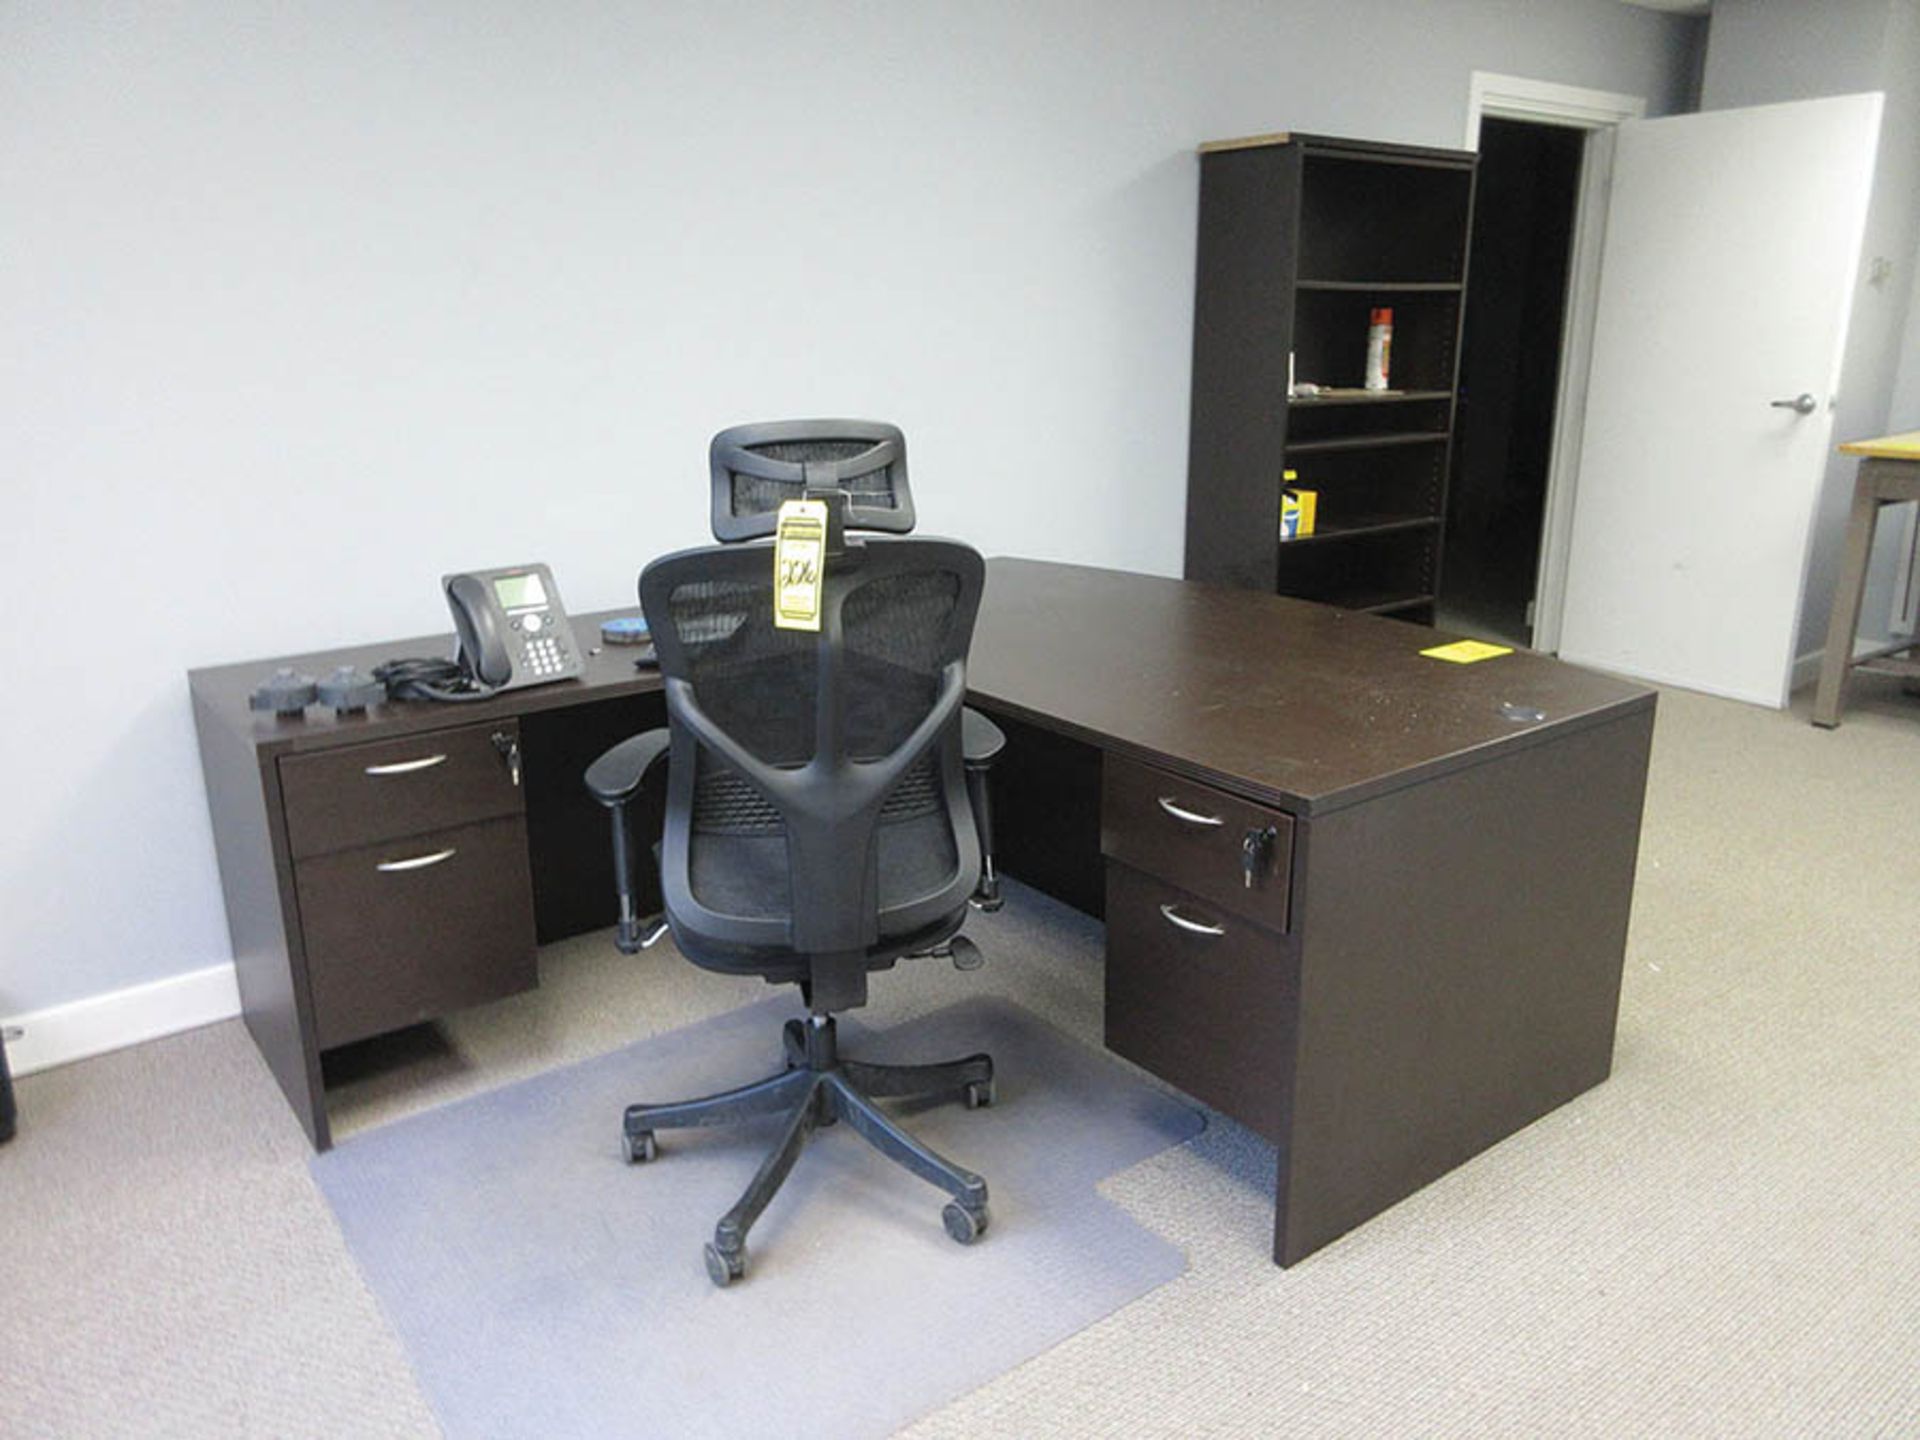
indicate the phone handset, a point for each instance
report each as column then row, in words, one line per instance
column 480, row 649
column 510, row 627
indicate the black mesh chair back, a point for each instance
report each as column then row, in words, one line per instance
column 756, row 467
column 817, row 804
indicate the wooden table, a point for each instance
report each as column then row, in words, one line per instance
column 1889, row 473
column 1372, row 904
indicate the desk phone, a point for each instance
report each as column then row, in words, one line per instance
column 511, row 629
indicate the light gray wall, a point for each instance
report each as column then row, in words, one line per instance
column 307, row 303
column 1762, row 51
column 1887, row 587
column 1904, row 411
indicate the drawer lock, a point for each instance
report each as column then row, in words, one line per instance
column 509, row 748
column 1256, row 852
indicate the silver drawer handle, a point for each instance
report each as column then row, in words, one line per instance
column 407, row 767
column 1192, row 817
column 416, row 862
column 1193, row 927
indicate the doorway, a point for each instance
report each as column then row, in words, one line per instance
column 1519, row 268
column 1592, row 116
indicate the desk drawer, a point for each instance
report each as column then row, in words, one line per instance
column 359, row 794
column 410, row 929
column 1202, row 998
column 1193, row 836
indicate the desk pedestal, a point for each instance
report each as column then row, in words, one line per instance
column 1449, row 971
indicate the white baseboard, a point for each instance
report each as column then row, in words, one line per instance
column 1675, row 682
column 61, row 1034
column 1806, row 669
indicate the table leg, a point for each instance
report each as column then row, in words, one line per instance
column 1838, row 659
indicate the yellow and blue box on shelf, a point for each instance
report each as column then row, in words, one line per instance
column 1297, row 509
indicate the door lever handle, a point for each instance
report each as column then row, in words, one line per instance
column 1801, row 404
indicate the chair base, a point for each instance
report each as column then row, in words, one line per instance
column 818, row 1088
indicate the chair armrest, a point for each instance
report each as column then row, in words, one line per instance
column 613, row 780
column 980, row 741
column 980, row 738
column 616, row 775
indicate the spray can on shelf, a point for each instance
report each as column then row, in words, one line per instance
column 1379, row 348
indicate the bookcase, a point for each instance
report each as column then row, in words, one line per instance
column 1300, row 238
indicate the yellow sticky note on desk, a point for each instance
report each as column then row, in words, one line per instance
column 1466, row 652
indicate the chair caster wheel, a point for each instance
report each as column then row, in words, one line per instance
column 979, row 1094
column 964, row 1225
column 965, row 954
column 724, row 1269
column 639, row 1148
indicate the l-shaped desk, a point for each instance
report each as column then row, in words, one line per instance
column 1372, row 904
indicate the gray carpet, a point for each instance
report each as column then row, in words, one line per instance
column 543, row 1286
column 1724, row 1239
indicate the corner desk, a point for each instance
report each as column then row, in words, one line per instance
column 1371, row 904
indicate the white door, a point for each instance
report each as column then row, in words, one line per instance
column 1733, row 238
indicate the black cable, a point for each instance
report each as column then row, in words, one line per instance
column 429, row 678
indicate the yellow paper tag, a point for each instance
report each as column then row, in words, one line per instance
column 1466, row 652
column 799, row 564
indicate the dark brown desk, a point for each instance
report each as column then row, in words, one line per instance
column 1421, row 954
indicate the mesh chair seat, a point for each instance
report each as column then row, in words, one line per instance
column 738, row 852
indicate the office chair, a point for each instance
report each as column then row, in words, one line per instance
column 818, row 827
column 757, row 467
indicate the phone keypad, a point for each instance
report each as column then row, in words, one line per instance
column 545, row 655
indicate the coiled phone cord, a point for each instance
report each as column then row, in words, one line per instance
column 427, row 678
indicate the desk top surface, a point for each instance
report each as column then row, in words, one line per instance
column 220, row 692
column 1284, row 701
column 1905, row 446
column 1298, row 704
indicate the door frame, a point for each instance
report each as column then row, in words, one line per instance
column 1545, row 102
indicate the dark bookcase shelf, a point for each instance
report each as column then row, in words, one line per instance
column 1385, row 287
column 1370, row 525
column 1366, row 442
column 1301, row 237
column 1375, row 397
column 1397, row 605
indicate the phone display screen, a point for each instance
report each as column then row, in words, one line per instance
column 516, row 592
